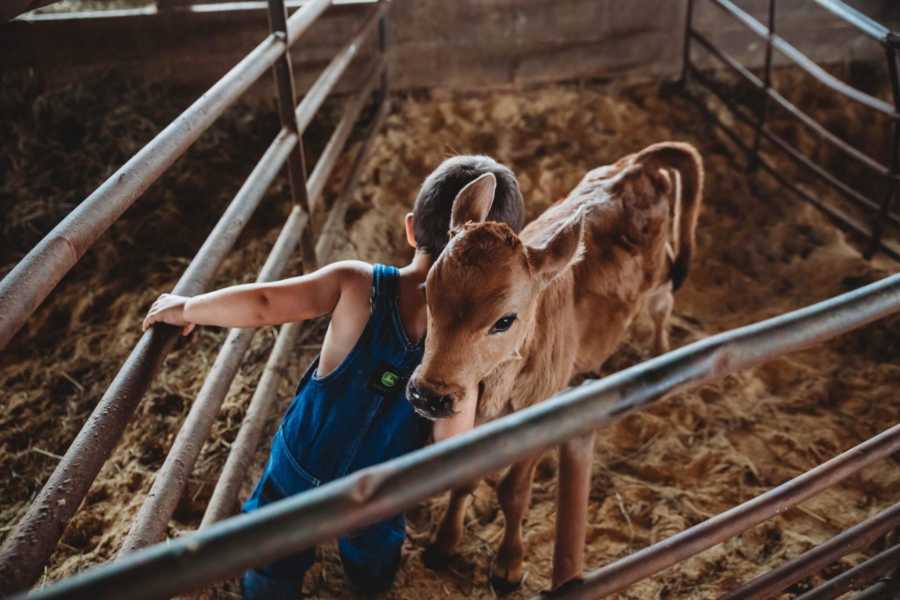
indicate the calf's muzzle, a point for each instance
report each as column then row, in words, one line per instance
column 427, row 401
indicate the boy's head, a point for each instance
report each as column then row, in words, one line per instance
column 428, row 225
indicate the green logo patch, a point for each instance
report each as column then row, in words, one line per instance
column 389, row 379
column 386, row 379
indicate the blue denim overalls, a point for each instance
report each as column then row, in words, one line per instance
column 354, row 417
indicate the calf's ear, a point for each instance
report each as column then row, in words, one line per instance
column 564, row 247
column 473, row 202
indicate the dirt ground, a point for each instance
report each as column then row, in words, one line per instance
column 692, row 455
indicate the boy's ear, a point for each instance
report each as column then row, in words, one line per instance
column 473, row 202
column 410, row 231
column 549, row 259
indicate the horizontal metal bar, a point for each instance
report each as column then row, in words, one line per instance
column 375, row 493
column 861, row 21
column 150, row 10
column 886, row 588
column 644, row 563
column 334, row 225
column 34, row 277
column 791, row 108
column 805, row 63
column 27, row 549
column 335, row 69
column 338, row 140
column 832, row 212
column 224, row 497
column 823, row 174
column 150, row 524
column 857, row 537
column 303, row 18
column 240, row 458
column 858, row 576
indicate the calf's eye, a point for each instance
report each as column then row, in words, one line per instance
column 502, row 324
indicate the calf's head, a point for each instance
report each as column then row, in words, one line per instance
column 482, row 295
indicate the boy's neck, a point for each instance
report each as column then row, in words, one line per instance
column 418, row 267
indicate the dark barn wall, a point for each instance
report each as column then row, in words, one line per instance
column 459, row 44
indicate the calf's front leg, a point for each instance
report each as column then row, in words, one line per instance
column 574, row 484
column 514, row 495
column 450, row 531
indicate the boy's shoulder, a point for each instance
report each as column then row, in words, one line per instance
column 355, row 278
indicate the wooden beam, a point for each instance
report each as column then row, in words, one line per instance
column 464, row 44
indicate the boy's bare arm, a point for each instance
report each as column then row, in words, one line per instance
column 257, row 304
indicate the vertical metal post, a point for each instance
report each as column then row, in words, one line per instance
column 383, row 42
column 767, row 83
column 878, row 221
column 686, row 56
column 287, row 102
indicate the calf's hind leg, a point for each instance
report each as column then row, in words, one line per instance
column 514, row 495
column 450, row 531
column 659, row 306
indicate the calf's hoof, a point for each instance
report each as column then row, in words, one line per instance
column 562, row 589
column 503, row 586
column 435, row 558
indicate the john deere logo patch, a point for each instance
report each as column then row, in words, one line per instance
column 389, row 379
column 386, row 379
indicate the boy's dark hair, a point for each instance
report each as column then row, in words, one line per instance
column 431, row 213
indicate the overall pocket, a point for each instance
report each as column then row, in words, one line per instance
column 282, row 477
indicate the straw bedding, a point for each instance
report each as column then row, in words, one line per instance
column 692, row 455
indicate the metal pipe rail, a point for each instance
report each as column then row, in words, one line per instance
column 366, row 496
column 849, row 222
column 334, row 225
column 150, row 524
column 28, row 548
column 857, row 537
column 878, row 565
column 34, row 277
column 864, row 23
column 649, row 561
column 225, row 494
column 890, row 247
column 880, row 211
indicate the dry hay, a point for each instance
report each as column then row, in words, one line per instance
column 691, row 456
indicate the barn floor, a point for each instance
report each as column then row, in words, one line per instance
column 761, row 253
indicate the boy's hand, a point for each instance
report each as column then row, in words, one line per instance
column 169, row 309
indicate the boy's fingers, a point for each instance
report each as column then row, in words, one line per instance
column 188, row 328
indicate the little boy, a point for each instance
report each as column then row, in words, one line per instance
column 350, row 410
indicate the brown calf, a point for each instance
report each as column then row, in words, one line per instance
column 511, row 319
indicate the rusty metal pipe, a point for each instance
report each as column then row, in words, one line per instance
column 851, row 193
column 34, row 277
column 224, row 497
column 338, row 139
column 805, row 63
column 791, row 108
column 649, row 561
column 372, row 494
column 27, row 549
column 150, row 524
column 856, row 577
column 884, row 211
column 329, row 77
column 334, row 225
column 839, row 216
column 859, row 536
column 287, row 102
column 243, row 450
column 886, row 588
column 861, row 21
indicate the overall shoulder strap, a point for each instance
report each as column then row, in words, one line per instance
column 384, row 286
